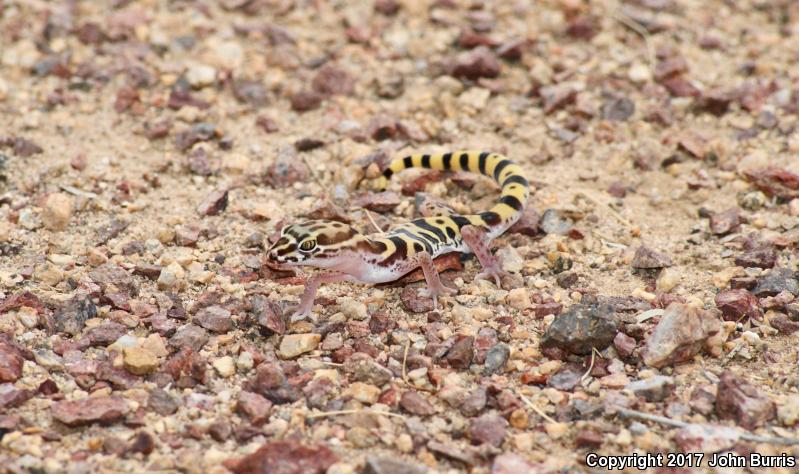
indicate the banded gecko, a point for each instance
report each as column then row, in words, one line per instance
column 380, row 258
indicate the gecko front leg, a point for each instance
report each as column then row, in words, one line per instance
column 311, row 287
column 477, row 240
column 434, row 286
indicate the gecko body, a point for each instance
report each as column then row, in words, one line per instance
column 384, row 257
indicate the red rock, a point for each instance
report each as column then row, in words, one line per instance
column 413, row 302
column 271, row 382
column 333, row 80
column 759, row 255
column 307, row 144
column 106, row 333
column 775, row 181
column 214, row 203
column 127, row 97
column 678, row 86
column 416, row 404
column 201, row 132
column 588, row 439
column 544, row 309
column 380, row 323
column 679, row 335
column 557, row 96
column 250, row 92
column 187, row 368
column 157, row 130
column 148, row 271
column 266, row 124
column 179, row 98
column 583, row 27
column 305, row 101
column 90, row 33
column 285, row 170
column 387, row 7
column 703, row 399
column 716, row 101
column 108, row 273
column 143, row 443
column 513, row 50
column 725, row 222
column 527, row 223
column 742, row 402
column 646, row 258
column 113, row 279
column 624, row 344
column 18, row 300
column 461, row 353
column 255, row 407
column 379, row 202
column 474, row 64
column 214, row 318
column 670, row 67
column 286, row 457
column 100, row 409
column 738, row 305
column 485, row 340
column 12, row 358
column 468, row 39
column 11, row 396
column 488, row 429
column 383, row 127
column 783, row 324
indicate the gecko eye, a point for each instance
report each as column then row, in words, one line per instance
column 308, row 245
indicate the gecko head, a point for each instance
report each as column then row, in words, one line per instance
column 316, row 243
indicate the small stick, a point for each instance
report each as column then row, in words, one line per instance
column 613, row 212
column 371, row 219
column 635, row 26
column 326, row 414
column 536, row 409
column 590, row 367
column 745, row 435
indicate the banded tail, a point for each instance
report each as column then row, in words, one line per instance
column 515, row 189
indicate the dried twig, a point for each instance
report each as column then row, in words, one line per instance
column 745, row 435
column 536, row 409
column 371, row 219
column 636, row 27
column 594, row 352
column 326, row 414
column 613, row 212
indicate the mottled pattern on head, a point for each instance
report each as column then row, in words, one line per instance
column 316, row 239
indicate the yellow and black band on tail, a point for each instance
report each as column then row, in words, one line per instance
column 515, row 188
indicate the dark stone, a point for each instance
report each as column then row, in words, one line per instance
column 646, row 258
column 161, row 402
column 742, row 402
column 582, row 328
column 775, row 282
column 71, row 317
column 738, row 305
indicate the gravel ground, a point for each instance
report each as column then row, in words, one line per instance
column 150, row 149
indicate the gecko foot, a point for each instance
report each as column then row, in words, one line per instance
column 493, row 274
column 435, row 292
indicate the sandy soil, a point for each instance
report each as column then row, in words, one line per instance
column 149, row 149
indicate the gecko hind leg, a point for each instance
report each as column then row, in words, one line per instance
column 434, row 286
column 477, row 240
column 311, row 286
